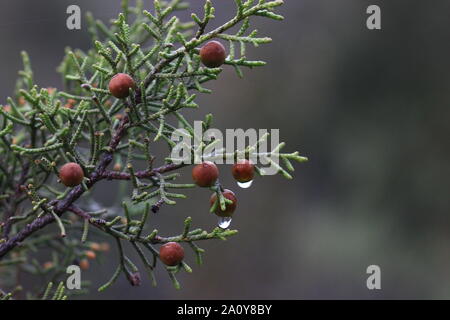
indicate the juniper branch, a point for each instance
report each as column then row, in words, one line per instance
column 42, row 128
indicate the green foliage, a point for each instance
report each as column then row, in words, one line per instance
column 43, row 128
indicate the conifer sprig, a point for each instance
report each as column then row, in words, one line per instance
column 83, row 123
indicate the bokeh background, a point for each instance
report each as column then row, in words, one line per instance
column 369, row 108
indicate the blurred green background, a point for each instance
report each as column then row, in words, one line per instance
column 369, row 108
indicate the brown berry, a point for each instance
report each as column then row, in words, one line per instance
column 84, row 264
column 120, row 85
column 48, row 265
column 90, row 255
column 205, row 174
column 71, row 174
column 243, row 171
column 51, row 90
column 171, row 253
column 229, row 207
column 213, row 54
column 70, row 103
column 95, row 246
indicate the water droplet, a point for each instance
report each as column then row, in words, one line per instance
column 245, row 185
column 224, row 222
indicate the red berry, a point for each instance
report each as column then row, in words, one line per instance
column 95, row 246
column 84, row 264
column 243, row 170
column 120, row 85
column 171, row 254
column 90, row 254
column 205, row 174
column 230, row 208
column 71, row 174
column 213, row 54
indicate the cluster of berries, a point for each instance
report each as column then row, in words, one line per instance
column 212, row 55
column 206, row 174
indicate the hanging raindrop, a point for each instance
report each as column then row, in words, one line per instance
column 245, row 185
column 224, row 222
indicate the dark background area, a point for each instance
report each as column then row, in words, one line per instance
column 369, row 108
